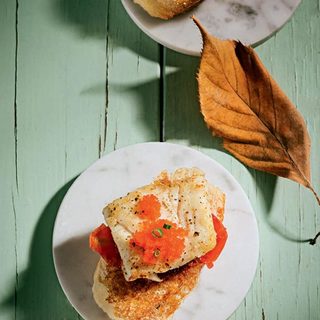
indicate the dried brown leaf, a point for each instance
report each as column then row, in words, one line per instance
column 242, row 104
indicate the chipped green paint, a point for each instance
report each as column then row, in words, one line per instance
column 78, row 80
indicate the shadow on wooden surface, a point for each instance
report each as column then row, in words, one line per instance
column 89, row 17
column 78, row 263
column 266, row 184
column 38, row 294
column 105, row 19
column 182, row 117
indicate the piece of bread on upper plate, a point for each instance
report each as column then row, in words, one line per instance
column 166, row 9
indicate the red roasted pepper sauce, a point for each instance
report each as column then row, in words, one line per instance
column 101, row 241
column 210, row 257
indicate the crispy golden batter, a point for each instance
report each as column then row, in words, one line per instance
column 143, row 299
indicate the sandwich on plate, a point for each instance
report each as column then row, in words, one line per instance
column 166, row 9
column 155, row 242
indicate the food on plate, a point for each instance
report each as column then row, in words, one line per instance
column 157, row 240
column 142, row 299
column 173, row 209
column 166, row 9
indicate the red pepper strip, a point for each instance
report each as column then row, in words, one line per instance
column 210, row 257
column 101, row 241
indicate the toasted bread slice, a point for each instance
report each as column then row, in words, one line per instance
column 142, row 299
column 166, row 9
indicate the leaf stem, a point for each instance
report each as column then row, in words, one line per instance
column 314, row 240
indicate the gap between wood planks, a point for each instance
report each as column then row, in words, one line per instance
column 15, row 255
column 15, row 159
column 162, row 98
column 103, row 132
column 15, row 99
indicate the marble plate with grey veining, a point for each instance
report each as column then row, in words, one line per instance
column 220, row 289
column 250, row 21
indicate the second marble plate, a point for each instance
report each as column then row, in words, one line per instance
column 250, row 21
column 220, row 290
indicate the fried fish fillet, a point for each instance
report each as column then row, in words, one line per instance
column 166, row 9
column 187, row 199
column 142, row 299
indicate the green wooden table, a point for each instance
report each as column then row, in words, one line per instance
column 77, row 80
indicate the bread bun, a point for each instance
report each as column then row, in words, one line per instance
column 142, row 299
column 166, row 9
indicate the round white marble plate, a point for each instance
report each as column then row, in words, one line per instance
column 250, row 21
column 220, row 290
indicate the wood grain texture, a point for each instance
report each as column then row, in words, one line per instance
column 58, row 132
column 63, row 78
column 88, row 82
column 292, row 292
column 133, row 82
column 8, row 187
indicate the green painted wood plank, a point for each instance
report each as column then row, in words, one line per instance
column 60, row 123
column 61, row 127
column 297, row 48
column 287, row 282
column 133, row 82
column 61, row 107
column 7, row 159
